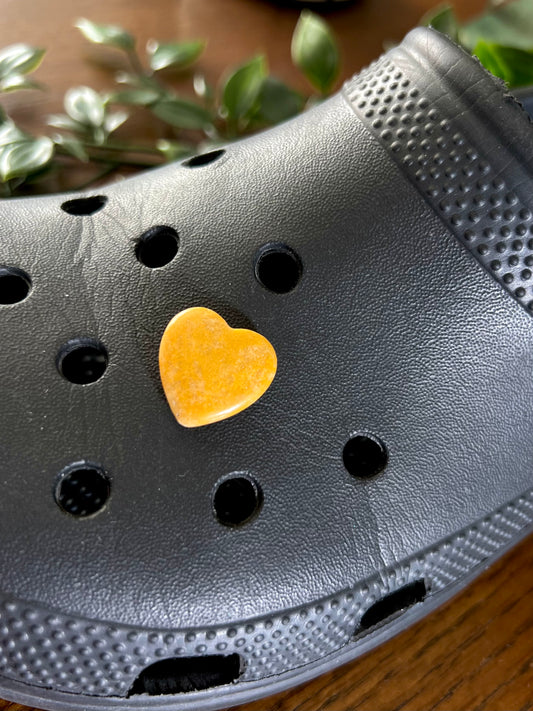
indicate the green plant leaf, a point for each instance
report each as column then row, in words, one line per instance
column 15, row 82
column 182, row 113
column 19, row 59
column 174, row 54
column 135, row 97
column 509, row 24
column 66, row 123
column 172, row 150
column 315, row 52
column 242, row 88
column 23, row 158
column 110, row 35
column 127, row 78
column 201, row 88
column 277, row 101
column 11, row 133
column 115, row 119
column 442, row 18
column 85, row 106
column 73, row 146
column 515, row 66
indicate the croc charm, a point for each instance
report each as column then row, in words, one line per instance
column 210, row 371
column 264, row 409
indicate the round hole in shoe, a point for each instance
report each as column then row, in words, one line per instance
column 15, row 285
column 237, row 500
column 82, row 489
column 82, row 361
column 278, row 268
column 364, row 456
column 157, row 246
column 204, row 158
column 84, row 206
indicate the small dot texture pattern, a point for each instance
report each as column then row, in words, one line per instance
column 427, row 138
column 44, row 648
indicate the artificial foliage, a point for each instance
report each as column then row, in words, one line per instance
column 247, row 98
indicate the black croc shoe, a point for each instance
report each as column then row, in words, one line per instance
column 379, row 250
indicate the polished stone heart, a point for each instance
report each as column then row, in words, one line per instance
column 211, row 371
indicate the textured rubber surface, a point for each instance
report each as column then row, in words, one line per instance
column 398, row 195
column 449, row 162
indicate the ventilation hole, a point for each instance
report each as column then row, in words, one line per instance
column 278, row 268
column 82, row 361
column 237, row 500
column 84, row 206
column 82, row 490
column 397, row 601
column 204, row 159
column 15, row 285
column 364, row 456
column 181, row 675
column 157, row 246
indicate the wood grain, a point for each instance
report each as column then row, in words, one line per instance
column 475, row 653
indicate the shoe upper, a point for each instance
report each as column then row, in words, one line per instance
column 406, row 202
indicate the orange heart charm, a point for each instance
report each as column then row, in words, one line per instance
column 211, row 371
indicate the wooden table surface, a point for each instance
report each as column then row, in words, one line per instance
column 475, row 653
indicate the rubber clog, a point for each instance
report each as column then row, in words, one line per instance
column 382, row 243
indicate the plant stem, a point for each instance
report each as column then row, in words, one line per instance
column 122, row 147
column 136, row 63
column 105, row 159
column 124, row 161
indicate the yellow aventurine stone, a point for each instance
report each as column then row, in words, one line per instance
column 211, row 371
